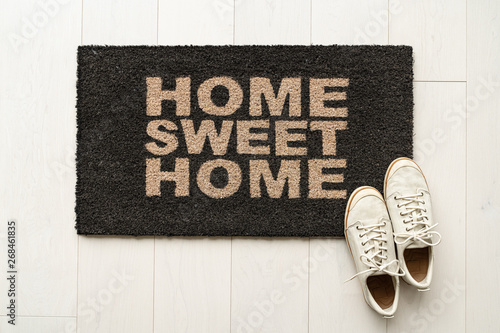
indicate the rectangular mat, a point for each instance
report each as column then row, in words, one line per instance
column 235, row 140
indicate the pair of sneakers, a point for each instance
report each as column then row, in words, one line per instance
column 392, row 236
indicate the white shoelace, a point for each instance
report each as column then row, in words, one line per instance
column 374, row 259
column 420, row 228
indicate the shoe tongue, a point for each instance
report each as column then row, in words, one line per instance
column 377, row 273
column 376, row 244
column 416, row 244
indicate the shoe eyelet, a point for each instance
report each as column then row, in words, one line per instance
column 421, row 194
column 425, row 210
column 399, row 206
column 363, row 243
column 360, row 236
column 395, row 197
column 365, row 252
column 407, row 229
column 401, row 214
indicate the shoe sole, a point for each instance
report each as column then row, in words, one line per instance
column 359, row 189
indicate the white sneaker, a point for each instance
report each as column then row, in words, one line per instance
column 368, row 233
column 409, row 204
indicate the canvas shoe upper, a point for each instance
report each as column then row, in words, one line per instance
column 368, row 233
column 409, row 204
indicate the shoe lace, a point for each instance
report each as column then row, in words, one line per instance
column 375, row 255
column 419, row 228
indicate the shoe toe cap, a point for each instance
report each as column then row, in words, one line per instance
column 405, row 177
column 365, row 203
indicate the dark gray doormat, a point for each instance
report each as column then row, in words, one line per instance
column 235, row 140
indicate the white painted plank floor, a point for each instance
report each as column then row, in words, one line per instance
column 69, row 283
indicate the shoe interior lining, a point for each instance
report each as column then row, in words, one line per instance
column 382, row 289
column 417, row 261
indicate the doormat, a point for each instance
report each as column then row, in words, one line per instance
column 235, row 140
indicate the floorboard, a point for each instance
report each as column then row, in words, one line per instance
column 39, row 325
column 436, row 30
column 117, row 272
column 483, row 173
column 37, row 131
column 440, row 152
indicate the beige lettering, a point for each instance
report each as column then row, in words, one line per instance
column 290, row 86
column 181, row 95
column 244, row 136
column 195, row 141
column 233, row 174
column 205, row 99
column 154, row 177
column 317, row 178
column 328, row 129
column 289, row 171
column 283, row 137
column 318, row 96
column 169, row 139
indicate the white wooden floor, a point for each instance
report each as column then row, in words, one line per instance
column 68, row 283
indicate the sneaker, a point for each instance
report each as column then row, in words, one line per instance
column 409, row 204
column 368, row 232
